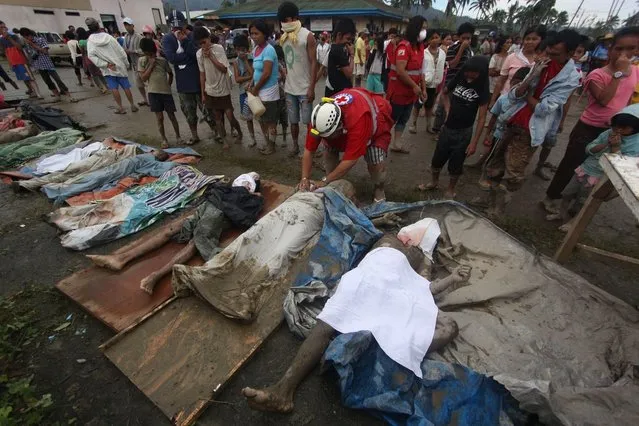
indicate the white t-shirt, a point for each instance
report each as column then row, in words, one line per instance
column 218, row 83
column 322, row 52
column 73, row 48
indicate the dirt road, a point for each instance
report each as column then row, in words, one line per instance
column 94, row 392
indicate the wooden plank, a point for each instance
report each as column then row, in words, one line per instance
column 623, row 172
column 115, row 298
column 182, row 355
column 609, row 254
column 587, row 212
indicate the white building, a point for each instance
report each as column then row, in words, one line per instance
column 57, row 15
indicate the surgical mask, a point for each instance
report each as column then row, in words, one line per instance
column 422, row 35
column 289, row 27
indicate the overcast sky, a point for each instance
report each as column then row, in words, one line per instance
column 594, row 7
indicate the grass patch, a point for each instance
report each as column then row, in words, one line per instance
column 20, row 402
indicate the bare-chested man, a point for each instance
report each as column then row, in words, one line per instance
column 279, row 397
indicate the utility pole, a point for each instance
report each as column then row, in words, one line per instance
column 619, row 8
column 576, row 13
column 186, row 12
column 612, row 8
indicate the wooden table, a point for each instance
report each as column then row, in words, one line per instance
column 621, row 179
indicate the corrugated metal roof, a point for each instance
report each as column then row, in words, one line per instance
column 268, row 9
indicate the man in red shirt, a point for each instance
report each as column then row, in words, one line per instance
column 357, row 123
column 507, row 167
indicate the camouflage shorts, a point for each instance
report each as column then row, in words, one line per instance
column 189, row 104
column 509, row 158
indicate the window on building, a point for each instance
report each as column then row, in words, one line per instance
column 157, row 16
column 43, row 12
column 109, row 23
column 72, row 13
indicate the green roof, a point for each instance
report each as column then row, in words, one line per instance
column 310, row 8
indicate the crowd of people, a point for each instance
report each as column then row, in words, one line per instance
column 376, row 84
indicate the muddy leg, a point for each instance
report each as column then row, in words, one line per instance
column 118, row 261
column 148, row 284
column 279, row 397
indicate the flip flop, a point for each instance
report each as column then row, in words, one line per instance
column 423, row 188
column 143, row 103
column 381, row 200
column 400, row 150
column 191, row 141
column 134, row 109
column 119, row 111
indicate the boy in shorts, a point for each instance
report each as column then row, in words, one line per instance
column 156, row 72
column 215, row 82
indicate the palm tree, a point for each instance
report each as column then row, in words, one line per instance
column 451, row 5
column 499, row 17
column 482, row 6
column 462, row 4
column 562, row 19
column 408, row 4
column 512, row 13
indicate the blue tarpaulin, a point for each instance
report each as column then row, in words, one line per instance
column 448, row 393
column 369, row 379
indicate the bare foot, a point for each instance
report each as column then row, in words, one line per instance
column 542, row 173
column 428, row 187
column 134, row 108
column 108, row 262
column 268, row 399
column 253, row 142
column 450, row 194
column 148, row 284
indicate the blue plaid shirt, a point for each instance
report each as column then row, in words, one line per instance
column 43, row 60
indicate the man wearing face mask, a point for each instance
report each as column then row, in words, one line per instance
column 180, row 50
column 406, row 84
column 299, row 46
column 358, row 124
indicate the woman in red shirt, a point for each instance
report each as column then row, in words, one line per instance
column 406, row 84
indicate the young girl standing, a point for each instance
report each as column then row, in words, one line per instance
column 243, row 71
column 374, row 66
column 465, row 95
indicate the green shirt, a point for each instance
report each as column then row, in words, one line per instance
column 158, row 81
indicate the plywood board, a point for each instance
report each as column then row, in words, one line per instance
column 182, row 354
column 115, row 298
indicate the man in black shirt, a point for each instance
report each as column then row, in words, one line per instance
column 456, row 56
column 340, row 58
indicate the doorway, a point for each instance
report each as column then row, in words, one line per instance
column 109, row 23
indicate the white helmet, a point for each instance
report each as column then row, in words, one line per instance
column 325, row 118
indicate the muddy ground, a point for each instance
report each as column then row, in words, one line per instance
column 92, row 391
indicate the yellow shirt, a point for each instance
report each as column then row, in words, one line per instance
column 360, row 51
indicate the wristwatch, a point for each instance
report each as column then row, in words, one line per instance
column 618, row 74
column 325, row 179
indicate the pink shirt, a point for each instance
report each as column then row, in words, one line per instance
column 599, row 116
column 512, row 64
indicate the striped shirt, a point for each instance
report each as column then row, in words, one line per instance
column 42, row 61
